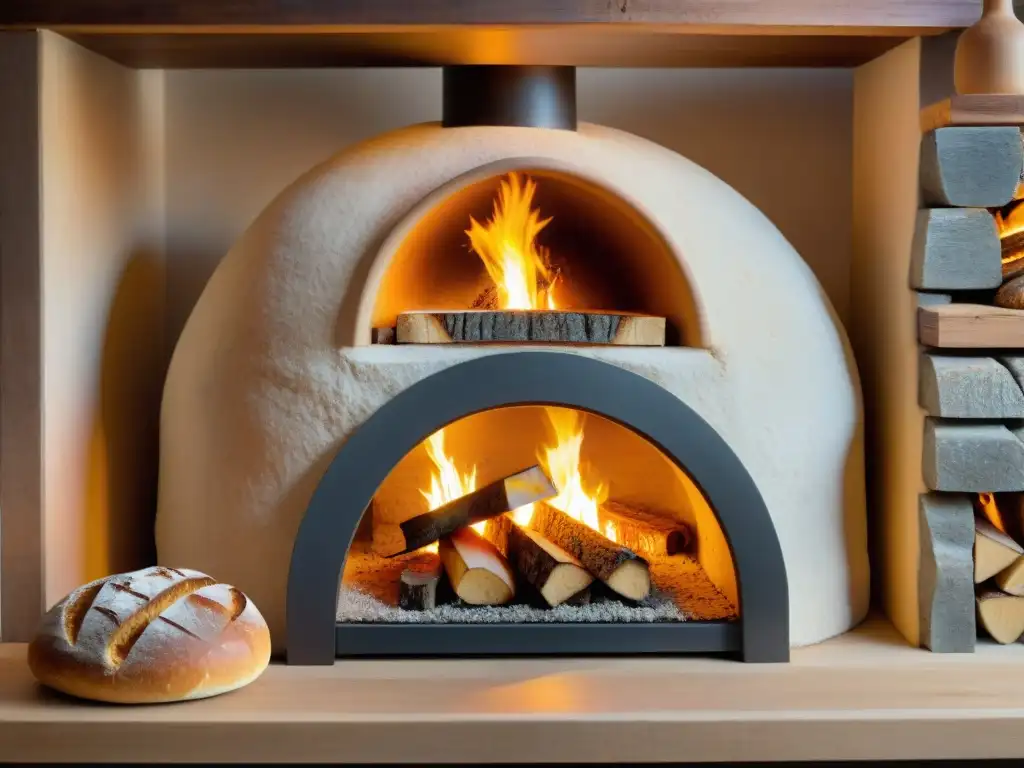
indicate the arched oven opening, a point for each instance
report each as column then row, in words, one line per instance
column 544, row 503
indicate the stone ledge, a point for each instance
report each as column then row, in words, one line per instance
column 972, row 457
column 946, row 573
column 971, row 167
column 968, row 388
column 955, row 249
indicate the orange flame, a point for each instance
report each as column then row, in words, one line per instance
column 446, row 483
column 1011, row 224
column 507, row 245
column 990, row 509
column 561, row 461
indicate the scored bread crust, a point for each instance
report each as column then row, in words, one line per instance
column 151, row 636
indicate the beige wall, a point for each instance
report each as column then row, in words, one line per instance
column 102, row 312
column 781, row 138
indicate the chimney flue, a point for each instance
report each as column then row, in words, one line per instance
column 527, row 96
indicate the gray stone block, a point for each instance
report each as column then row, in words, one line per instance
column 971, row 167
column 933, row 299
column 971, row 458
column 956, row 249
column 946, row 573
column 1015, row 365
column 968, row 388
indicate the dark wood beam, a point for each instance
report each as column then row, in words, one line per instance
column 834, row 17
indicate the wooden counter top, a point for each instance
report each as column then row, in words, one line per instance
column 864, row 696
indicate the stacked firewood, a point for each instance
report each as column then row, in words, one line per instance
column 553, row 560
column 999, row 565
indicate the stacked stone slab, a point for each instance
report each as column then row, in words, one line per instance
column 974, row 430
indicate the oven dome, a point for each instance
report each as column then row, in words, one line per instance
column 272, row 371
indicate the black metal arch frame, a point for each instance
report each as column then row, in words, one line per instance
column 761, row 633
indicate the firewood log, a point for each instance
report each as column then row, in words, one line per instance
column 1001, row 615
column 617, row 566
column 490, row 501
column 1011, row 579
column 555, row 573
column 478, row 572
column 647, row 533
column 417, row 587
column 993, row 550
column 513, row 326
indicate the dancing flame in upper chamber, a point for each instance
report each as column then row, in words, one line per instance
column 507, row 245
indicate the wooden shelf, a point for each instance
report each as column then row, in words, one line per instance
column 974, row 109
column 313, row 33
column 836, row 17
column 970, row 326
column 864, row 696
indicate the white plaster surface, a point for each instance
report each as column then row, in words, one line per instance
column 259, row 396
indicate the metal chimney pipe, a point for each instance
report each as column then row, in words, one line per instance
column 527, row 96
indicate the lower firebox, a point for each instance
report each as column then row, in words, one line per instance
column 679, row 608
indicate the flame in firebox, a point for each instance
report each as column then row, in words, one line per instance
column 446, row 483
column 1009, row 224
column 561, row 462
column 508, row 247
column 990, row 510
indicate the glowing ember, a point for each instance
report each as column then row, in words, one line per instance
column 446, row 484
column 507, row 245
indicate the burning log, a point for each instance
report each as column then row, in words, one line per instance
column 417, row 588
column 535, row 325
column 555, row 573
column 619, row 567
column 1001, row 615
column 647, row 533
column 993, row 550
column 494, row 499
column 478, row 572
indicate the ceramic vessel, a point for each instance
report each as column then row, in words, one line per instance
column 990, row 54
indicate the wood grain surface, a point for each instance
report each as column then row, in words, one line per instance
column 863, row 696
column 970, row 326
column 909, row 15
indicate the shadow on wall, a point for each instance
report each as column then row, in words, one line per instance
column 124, row 448
column 782, row 138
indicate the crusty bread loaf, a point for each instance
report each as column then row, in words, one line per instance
column 156, row 635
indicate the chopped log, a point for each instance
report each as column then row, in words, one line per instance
column 555, row 573
column 1001, row 615
column 478, row 572
column 1011, row 580
column 993, row 550
column 382, row 335
column 974, row 109
column 494, row 499
column 522, row 326
column 417, row 588
column 970, row 326
column 617, row 566
column 645, row 532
